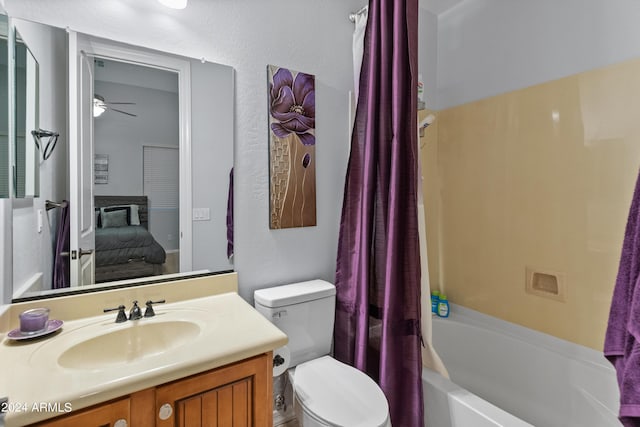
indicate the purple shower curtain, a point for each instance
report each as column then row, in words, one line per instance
column 378, row 268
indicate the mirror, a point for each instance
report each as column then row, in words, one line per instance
column 26, row 161
column 136, row 141
column 4, row 108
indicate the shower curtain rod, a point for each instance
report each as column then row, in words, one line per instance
column 352, row 17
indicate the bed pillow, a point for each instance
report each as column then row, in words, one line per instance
column 133, row 218
column 125, row 209
column 114, row 218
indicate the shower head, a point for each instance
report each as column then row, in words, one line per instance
column 426, row 121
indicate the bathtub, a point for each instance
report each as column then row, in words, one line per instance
column 506, row 375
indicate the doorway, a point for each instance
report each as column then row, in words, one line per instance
column 124, row 90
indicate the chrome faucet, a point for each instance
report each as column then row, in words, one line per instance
column 149, row 311
column 135, row 313
column 121, row 317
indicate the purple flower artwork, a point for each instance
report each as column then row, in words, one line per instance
column 292, row 121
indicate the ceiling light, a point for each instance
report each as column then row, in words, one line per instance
column 174, row 4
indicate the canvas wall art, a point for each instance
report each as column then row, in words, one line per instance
column 292, row 148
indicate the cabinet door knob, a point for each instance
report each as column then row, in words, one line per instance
column 120, row 423
column 165, row 412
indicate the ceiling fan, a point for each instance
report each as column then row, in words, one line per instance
column 100, row 106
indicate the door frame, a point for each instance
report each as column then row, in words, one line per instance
column 115, row 51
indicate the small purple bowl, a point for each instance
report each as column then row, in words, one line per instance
column 34, row 320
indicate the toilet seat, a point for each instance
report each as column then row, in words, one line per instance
column 340, row 395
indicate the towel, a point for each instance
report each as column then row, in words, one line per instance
column 622, row 339
column 61, row 268
column 230, row 217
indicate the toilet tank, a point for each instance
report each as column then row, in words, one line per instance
column 304, row 311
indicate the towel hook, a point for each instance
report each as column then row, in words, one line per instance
column 46, row 149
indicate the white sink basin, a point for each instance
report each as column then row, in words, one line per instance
column 130, row 344
column 102, row 344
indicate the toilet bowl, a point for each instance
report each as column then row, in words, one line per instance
column 327, row 393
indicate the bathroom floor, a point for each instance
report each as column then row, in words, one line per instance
column 292, row 423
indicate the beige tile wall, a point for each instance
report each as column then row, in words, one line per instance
column 540, row 177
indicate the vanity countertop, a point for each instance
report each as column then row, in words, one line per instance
column 228, row 330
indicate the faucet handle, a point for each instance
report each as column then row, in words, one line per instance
column 149, row 311
column 135, row 313
column 122, row 317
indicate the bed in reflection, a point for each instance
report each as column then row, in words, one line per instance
column 125, row 249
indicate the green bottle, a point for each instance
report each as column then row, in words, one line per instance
column 435, row 299
column 443, row 306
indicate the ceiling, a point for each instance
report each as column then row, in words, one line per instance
column 438, row 7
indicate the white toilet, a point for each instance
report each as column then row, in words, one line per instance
column 327, row 392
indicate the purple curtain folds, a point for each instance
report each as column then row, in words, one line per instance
column 61, row 268
column 378, row 267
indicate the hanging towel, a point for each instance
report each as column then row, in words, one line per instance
column 230, row 217
column 622, row 339
column 61, row 268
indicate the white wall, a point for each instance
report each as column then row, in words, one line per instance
column 428, row 55
column 33, row 251
column 121, row 137
column 488, row 47
column 305, row 35
column 213, row 141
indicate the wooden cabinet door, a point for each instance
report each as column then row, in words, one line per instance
column 114, row 414
column 236, row 395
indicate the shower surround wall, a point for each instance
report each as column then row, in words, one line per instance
column 485, row 48
column 537, row 178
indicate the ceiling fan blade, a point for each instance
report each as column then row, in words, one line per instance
column 124, row 112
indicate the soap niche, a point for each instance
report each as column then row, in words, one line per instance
column 545, row 283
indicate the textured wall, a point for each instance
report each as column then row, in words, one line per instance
column 310, row 36
column 488, row 47
column 29, row 246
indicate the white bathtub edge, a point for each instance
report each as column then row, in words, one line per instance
column 570, row 350
column 464, row 408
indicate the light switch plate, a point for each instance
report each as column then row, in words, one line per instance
column 40, row 221
column 201, row 214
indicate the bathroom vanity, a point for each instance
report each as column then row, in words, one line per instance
column 205, row 354
column 238, row 394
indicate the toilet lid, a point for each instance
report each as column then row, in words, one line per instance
column 340, row 394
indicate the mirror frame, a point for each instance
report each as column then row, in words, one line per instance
column 56, row 293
